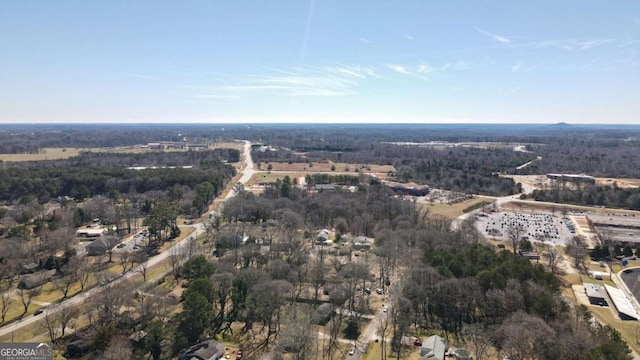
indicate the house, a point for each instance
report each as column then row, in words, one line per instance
column 361, row 243
column 326, row 187
column 322, row 237
column 595, row 293
column 91, row 232
column 322, row 314
column 30, row 268
column 101, row 245
column 433, row 348
column 206, row 350
column 77, row 348
column 30, row 281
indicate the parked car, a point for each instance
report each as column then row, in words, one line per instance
column 417, row 342
column 239, row 354
column 352, row 351
column 379, row 291
column 385, row 308
column 38, row 312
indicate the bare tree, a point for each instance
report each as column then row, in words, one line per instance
column 26, row 296
column 108, row 305
column 191, row 247
column 52, row 324
column 554, row 258
column 56, row 321
column 5, row 304
column 383, row 330
column 514, row 234
column 480, row 338
column 578, row 252
column 119, row 348
column 142, row 265
column 66, row 316
column 83, row 273
column 64, row 284
column 176, row 258
column 523, row 335
column 126, row 260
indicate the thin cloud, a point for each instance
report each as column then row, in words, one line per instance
column 399, row 69
column 515, row 68
column 572, row 44
column 366, row 41
column 424, row 68
column 494, row 37
column 409, row 37
column 297, row 82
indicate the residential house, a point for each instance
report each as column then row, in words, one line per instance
column 206, row 350
column 361, row 243
column 30, row 281
column 91, row 232
column 322, row 237
column 101, row 245
column 433, row 348
column 322, row 314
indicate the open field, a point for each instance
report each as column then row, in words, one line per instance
column 454, row 210
column 65, row 153
column 622, row 183
column 228, row 145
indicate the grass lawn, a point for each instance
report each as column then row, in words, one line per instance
column 374, row 352
column 626, row 328
column 455, row 210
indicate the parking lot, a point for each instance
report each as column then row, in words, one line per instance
column 538, row 226
column 133, row 243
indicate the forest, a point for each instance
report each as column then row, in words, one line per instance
column 592, row 195
column 92, row 174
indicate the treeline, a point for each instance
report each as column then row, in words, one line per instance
column 592, row 195
column 460, row 169
column 98, row 174
column 593, row 156
column 313, row 179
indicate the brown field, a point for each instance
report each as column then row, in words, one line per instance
column 454, row 210
column 228, row 145
column 623, row 183
column 65, row 153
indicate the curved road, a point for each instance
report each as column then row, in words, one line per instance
column 247, row 173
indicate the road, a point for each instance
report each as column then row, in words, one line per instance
column 247, row 173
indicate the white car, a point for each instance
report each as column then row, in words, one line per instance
column 385, row 308
column 352, row 351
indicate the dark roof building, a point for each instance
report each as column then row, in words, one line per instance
column 595, row 293
column 101, row 245
column 206, row 350
column 30, row 281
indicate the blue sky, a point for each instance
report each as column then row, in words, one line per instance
column 320, row 61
